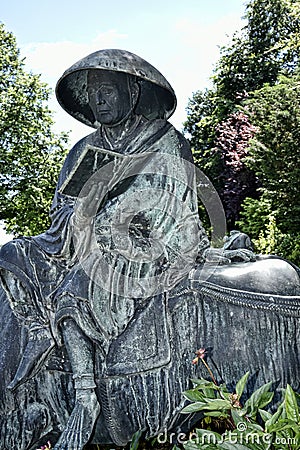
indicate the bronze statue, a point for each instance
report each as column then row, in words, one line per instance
column 125, row 237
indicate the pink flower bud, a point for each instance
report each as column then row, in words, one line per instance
column 201, row 353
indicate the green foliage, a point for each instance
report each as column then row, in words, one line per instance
column 273, row 220
column 259, row 219
column 257, row 74
column 30, row 153
column 213, row 400
column 267, row 46
column 261, row 51
column 200, row 126
column 289, row 247
column 275, row 150
column 255, row 216
column 268, row 239
column 219, row 146
column 134, row 445
column 243, row 427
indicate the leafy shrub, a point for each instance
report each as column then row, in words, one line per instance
column 259, row 220
column 249, row 426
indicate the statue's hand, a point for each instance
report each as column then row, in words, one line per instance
column 85, row 210
column 239, row 255
column 237, row 248
column 215, row 256
column 87, row 206
column 221, row 256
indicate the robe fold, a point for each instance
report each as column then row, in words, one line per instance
column 141, row 241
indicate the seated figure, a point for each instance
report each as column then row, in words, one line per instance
column 125, row 228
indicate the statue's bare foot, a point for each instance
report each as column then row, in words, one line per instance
column 81, row 422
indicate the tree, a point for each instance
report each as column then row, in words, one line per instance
column 200, row 128
column 274, row 156
column 274, row 153
column 262, row 50
column 266, row 47
column 30, row 153
column 233, row 136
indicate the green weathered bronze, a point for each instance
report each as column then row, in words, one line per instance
column 102, row 313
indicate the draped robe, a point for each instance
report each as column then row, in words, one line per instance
column 97, row 271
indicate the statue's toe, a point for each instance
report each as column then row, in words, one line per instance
column 81, row 422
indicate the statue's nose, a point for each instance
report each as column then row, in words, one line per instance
column 100, row 100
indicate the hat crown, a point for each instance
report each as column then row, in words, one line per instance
column 157, row 98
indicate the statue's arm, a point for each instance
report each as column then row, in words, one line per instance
column 57, row 241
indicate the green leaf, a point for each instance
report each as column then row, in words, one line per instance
column 216, row 404
column 284, row 424
column 202, row 433
column 203, row 439
column 260, row 398
column 265, row 399
column 211, row 405
column 135, row 440
column 254, row 427
column 193, row 395
column 237, row 417
column 297, row 442
column 273, row 419
column 243, row 411
column 291, row 405
column 225, row 395
column 210, row 393
column 232, row 446
column 216, row 414
column 265, row 415
column 189, row 445
column 202, row 383
column 240, row 386
column 194, row 407
column 208, row 436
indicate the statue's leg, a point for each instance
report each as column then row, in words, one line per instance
column 86, row 410
column 38, row 347
column 40, row 341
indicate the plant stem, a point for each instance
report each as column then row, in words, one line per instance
column 209, row 371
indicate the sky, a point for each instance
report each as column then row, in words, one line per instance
column 181, row 38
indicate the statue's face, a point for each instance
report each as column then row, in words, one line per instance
column 109, row 97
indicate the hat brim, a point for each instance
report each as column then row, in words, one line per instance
column 156, row 100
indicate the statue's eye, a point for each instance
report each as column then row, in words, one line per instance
column 106, row 90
